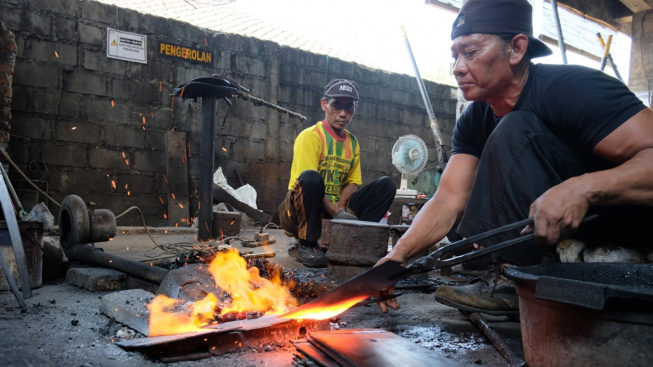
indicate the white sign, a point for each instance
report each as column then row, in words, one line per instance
column 126, row 46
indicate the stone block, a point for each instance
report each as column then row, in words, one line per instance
column 46, row 101
column 124, row 136
column 102, row 110
column 100, row 62
column 56, row 6
column 90, row 34
column 250, row 66
column 96, row 279
column 79, row 131
column 53, row 52
column 37, row 22
column 66, row 29
column 136, row 184
column 85, row 82
column 102, row 13
column 150, row 161
column 133, row 90
column 66, row 155
column 107, row 159
column 128, row 307
column 28, row 74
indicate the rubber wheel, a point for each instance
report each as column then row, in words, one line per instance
column 74, row 225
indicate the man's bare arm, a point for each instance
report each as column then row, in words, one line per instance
column 559, row 211
column 439, row 214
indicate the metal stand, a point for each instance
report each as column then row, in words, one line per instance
column 207, row 151
column 17, row 243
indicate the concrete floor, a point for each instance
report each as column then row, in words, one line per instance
column 62, row 324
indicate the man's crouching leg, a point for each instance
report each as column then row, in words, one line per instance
column 300, row 215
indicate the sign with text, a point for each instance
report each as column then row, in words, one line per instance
column 194, row 55
column 126, row 46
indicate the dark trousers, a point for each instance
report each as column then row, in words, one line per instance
column 521, row 160
column 301, row 212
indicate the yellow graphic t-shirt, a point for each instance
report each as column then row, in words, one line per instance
column 336, row 159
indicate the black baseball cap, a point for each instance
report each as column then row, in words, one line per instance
column 341, row 88
column 501, row 17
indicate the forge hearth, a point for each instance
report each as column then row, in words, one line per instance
column 262, row 334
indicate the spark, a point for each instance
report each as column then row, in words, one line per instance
column 224, row 149
column 160, row 86
column 143, row 119
column 127, row 162
column 173, row 196
column 113, row 103
column 113, row 183
column 128, row 193
column 165, row 216
column 181, row 205
column 74, row 128
column 161, row 200
column 56, row 54
column 205, row 43
column 123, row 155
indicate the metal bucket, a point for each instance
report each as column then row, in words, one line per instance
column 585, row 314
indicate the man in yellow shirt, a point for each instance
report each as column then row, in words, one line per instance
column 325, row 175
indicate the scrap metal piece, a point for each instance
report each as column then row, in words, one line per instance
column 375, row 347
column 223, row 338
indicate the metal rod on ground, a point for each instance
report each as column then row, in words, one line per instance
column 427, row 104
column 207, row 149
column 91, row 255
column 561, row 41
column 610, row 60
column 496, row 340
column 606, row 53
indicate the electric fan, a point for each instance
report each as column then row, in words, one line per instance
column 409, row 155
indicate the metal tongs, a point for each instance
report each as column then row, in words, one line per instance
column 390, row 272
column 432, row 261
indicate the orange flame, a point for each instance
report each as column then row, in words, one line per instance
column 248, row 290
column 321, row 313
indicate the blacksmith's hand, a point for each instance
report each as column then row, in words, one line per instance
column 557, row 213
column 391, row 302
column 345, row 216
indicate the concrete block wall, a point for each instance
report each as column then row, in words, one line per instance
column 93, row 126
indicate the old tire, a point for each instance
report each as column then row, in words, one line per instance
column 73, row 223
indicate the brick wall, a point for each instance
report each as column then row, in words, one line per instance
column 94, row 126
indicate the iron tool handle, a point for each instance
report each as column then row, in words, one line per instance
column 432, row 261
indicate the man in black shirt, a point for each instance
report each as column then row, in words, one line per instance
column 551, row 142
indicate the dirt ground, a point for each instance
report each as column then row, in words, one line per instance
column 62, row 325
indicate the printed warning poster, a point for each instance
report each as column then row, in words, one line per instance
column 126, row 46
